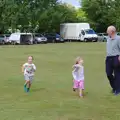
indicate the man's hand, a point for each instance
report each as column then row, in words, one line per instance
column 119, row 58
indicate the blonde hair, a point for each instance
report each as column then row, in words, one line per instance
column 77, row 60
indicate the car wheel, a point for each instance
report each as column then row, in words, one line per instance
column 53, row 41
column 35, row 42
column 3, row 42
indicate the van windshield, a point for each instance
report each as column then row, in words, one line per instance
column 90, row 31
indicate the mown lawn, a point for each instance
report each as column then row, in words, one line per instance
column 51, row 96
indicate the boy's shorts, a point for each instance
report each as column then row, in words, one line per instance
column 78, row 84
column 29, row 78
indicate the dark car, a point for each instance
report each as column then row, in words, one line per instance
column 53, row 38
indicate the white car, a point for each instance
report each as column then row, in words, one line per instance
column 39, row 38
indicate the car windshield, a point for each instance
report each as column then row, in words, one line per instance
column 105, row 34
column 118, row 33
column 2, row 36
column 38, row 35
column 90, row 31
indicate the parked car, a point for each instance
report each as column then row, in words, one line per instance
column 39, row 38
column 4, row 38
column 21, row 38
column 7, row 39
column 53, row 37
column 118, row 33
column 102, row 37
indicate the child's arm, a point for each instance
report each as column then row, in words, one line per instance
column 73, row 66
column 34, row 67
column 23, row 68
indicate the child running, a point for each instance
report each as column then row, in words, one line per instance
column 28, row 69
column 78, row 76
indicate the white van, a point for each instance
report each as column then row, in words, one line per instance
column 21, row 38
column 77, row 31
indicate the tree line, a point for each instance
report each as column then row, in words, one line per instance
column 47, row 15
column 36, row 15
column 102, row 13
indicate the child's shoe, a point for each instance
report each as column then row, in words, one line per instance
column 25, row 89
column 81, row 96
column 74, row 89
column 28, row 89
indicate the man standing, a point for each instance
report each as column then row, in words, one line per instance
column 113, row 59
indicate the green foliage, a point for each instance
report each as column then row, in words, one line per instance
column 36, row 15
column 102, row 13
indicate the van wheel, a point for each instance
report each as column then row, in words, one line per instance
column 13, row 42
column 85, row 40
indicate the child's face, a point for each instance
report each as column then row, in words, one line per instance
column 30, row 59
column 81, row 61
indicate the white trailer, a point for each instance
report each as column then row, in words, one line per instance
column 77, row 31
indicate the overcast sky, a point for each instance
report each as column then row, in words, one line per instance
column 73, row 2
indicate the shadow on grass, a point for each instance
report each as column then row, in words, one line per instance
column 38, row 89
column 76, row 93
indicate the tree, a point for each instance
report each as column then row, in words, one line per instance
column 102, row 13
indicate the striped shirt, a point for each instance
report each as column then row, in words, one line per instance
column 113, row 46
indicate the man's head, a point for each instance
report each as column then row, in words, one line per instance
column 111, row 30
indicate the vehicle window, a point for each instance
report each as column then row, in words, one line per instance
column 118, row 33
column 105, row 34
column 38, row 35
column 99, row 34
column 2, row 36
column 90, row 31
column 82, row 32
column 7, row 35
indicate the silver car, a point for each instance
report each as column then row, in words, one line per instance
column 102, row 37
column 39, row 38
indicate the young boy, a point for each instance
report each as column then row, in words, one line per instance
column 28, row 69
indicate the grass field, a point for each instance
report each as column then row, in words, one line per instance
column 51, row 96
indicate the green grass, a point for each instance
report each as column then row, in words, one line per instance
column 51, row 96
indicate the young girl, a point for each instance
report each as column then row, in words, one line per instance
column 78, row 76
column 28, row 69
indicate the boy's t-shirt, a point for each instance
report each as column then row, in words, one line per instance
column 29, row 69
column 78, row 72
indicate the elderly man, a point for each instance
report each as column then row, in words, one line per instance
column 113, row 59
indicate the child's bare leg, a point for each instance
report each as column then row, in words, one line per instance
column 80, row 92
column 29, row 85
column 83, row 92
column 25, row 85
